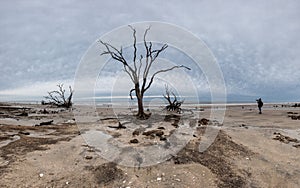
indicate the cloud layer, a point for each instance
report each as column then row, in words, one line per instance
column 256, row 43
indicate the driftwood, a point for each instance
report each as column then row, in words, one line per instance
column 58, row 97
column 45, row 123
column 173, row 105
column 120, row 126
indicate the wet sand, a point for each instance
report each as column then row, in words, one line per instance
column 250, row 149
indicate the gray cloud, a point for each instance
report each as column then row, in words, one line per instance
column 256, row 42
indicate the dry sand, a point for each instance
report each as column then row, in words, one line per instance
column 250, row 150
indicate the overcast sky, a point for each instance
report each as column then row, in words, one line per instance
column 256, row 43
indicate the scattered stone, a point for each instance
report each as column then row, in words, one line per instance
column 294, row 117
column 24, row 133
column 138, row 131
column 161, row 128
column 296, row 105
column 44, row 111
column 175, row 124
column 244, row 126
column 88, row 157
column 45, row 123
column 296, row 145
column 284, row 139
column 134, row 141
column 22, row 114
column 91, row 150
column 203, row 121
column 154, row 133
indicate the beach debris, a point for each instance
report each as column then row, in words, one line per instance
column 158, row 133
column 59, row 97
column 45, row 123
column 244, row 126
column 172, row 117
column 284, row 139
column 24, row 133
column 138, row 131
column 203, row 121
column 134, row 141
column 120, row 126
column 175, row 104
column 296, row 145
column 162, row 128
column 44, row 111
column 23, row 114
column 70, row 121
column 158, row 178
column 41, row 175
column 294, row 117
column 88, row 157
column 175, row 124
column 292, row 113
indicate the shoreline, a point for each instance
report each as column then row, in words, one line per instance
column 44, row 146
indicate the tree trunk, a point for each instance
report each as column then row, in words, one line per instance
column 141, row 112
column 139, row 95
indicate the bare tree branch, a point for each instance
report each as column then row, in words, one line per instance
column 130, row 93
column 160, row 71
column 58, row 97
column 134, row 46
column 173, row 105
column 140, row 66
column 147, row 51
column 118, row 55
column 135, row 71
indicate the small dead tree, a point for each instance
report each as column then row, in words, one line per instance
column 140, row 78
column 58, row 97
column 174, row 105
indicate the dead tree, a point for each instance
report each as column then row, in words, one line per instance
column 174, row 105
column 140, row 78
column 58, row 97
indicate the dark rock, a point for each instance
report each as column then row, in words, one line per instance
column 153, row 133
column 24, row 133
column 138, row 131
column 45, row 123
column 23, row 114
column 88, row 157
column 203, row 121
column 134, row 141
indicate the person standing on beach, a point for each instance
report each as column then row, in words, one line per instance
column 259, row 104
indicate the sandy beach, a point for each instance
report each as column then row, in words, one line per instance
column 43, row 146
